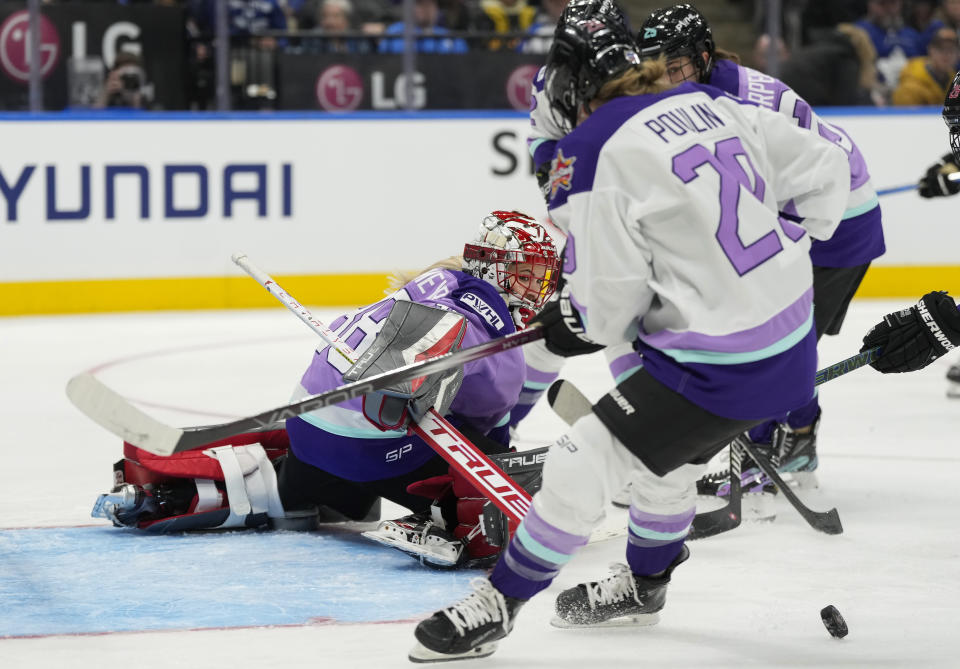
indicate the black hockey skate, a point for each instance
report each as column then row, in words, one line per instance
column 797, row 454
column 758, row 492
column 469, row 629
column 622, row 598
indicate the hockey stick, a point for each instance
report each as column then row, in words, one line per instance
column 571, row 405
column 115, row 413
column 954, row 176
column 728, row 517
column 438, row 433
column 896, row 189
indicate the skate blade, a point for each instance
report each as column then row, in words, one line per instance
column 758, row 507
column 640, row 620
column 802, row 480
column 423, row 655
column 416, row 550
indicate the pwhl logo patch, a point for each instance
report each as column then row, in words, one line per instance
column 561, row 173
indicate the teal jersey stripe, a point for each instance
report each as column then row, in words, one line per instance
column 719, row 358
column 535, row 144
column 862, row 209
column 539, row 549
column 503, row 421
column 535, row 385
column 623, row 376
column 353, row 432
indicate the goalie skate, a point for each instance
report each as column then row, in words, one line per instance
column 418, row 535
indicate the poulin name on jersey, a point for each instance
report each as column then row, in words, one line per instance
column 679, row 121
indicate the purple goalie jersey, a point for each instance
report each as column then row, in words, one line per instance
column 339, row 440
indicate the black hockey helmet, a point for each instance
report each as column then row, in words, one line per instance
column 677, row 31
column 951, row 116
column 588, row 51
column 579, row 9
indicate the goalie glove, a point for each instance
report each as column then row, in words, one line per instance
column 937, row 182
column 912, row 338
column 412, row 332
column 563, row 330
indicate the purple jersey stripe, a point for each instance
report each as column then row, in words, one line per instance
column 752, row 339
column 767, row 388
column 625, row 363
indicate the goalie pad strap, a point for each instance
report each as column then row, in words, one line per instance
column 250, row 480
column 208, row 497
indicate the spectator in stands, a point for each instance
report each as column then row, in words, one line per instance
column 922, row 17
column 335, row 19
column 245, row 17
column 126, row 84
column 426, row 15
column 950, row 14
column 464, row 16
column 838, row 69
column 367, row 16
column 544, row 26
column 509, row 16
column 924, row 81
column 895, row 42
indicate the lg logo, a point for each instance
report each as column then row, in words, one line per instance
column 15, row 46
column 339, row 89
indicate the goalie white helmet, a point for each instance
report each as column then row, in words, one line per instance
column 515, row 254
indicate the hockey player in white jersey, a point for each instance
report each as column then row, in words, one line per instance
column 683, row 36
column 671, row 201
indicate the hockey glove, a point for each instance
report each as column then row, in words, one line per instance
column 543, row 180
column 913, row 338
column 937, row 181
column 563, row 330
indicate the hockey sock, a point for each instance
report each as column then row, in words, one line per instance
column 534, row 557
column 654, row 540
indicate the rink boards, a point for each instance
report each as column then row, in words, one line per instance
column 129, row 212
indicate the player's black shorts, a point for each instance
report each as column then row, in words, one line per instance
column 663, row 428
column 833, row 288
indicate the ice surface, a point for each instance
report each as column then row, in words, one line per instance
column 750, row 598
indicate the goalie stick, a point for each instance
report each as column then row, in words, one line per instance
column 728, row 517
column 115, row 413
column 571, row 405
column 438, row 433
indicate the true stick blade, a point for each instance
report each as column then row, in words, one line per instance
column 111, row 411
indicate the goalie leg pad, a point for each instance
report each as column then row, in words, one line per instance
column 221, row 487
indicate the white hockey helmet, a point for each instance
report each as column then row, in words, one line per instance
column 515, row 254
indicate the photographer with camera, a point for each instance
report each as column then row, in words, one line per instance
column 126, row 84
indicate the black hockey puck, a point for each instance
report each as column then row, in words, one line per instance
column 833, row 621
